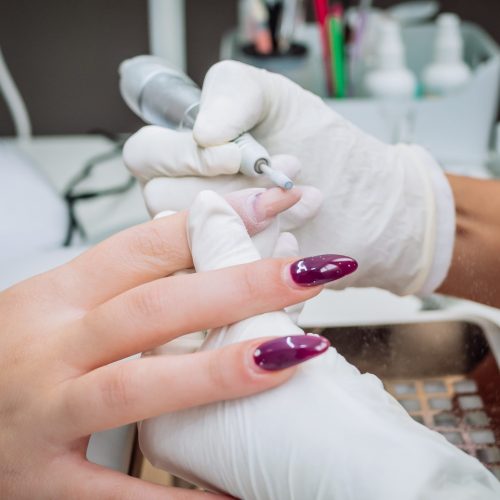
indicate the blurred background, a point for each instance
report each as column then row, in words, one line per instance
column 64, row 54
column 64, row 187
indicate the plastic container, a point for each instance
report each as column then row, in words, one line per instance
column 447, row 72
column 390, row 78
column 456, row 128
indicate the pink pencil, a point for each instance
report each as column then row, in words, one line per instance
column 321, row 11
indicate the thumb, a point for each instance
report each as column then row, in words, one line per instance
column 156, row 152
column 233, row 101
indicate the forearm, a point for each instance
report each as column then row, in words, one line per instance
column 475, row 270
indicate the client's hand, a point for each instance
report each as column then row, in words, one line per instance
column 61, row 332
column 329, row 433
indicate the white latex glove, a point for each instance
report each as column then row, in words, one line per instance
column 388, row 206
column 329, row 433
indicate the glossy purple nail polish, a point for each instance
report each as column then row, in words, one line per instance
column 280, row 353
column 320, row 269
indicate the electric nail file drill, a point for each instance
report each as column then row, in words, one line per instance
column 166, row 97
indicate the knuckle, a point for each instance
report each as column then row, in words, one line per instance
column 117, row 390
column 263, row 283
column 148, row 302
column 218, row 374
column 149, row 243
column 252, row 282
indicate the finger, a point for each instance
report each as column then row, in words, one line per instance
column 186, row 344
column 233, row 100
column 157, row 151
column 125, row 260
column 152, row 250
column 89, row 481
column 157, row 312
column 257, row 208
column 287, row 246
column 305, row 209
column 122, row 393
column 164, row 193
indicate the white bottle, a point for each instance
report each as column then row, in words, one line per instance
column 390, row 77
column 447, row 72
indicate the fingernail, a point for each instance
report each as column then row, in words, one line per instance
column 320, row 269
column 271, row 202
column 283, row 352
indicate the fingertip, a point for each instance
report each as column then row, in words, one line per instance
column 286, row 246
column 133, row 149
column 210, row 132
column 253, row 357
column 258, row 207
column 236, row 373
column 275, row 200
column 283, row 352
column 318, row 270
column 311, row 197
column 156, row 196
column 305, row 209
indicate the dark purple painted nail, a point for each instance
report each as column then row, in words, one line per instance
column 278, row 354
column 320, row 269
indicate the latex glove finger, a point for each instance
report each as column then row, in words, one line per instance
column 156, row 151
column 164, row 193
column 217, row 236
column 235, row 97
column 305, row 209
column 257, row 207
column 287, row 246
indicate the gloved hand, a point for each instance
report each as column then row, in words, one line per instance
column 388, row 206
column 329, row 433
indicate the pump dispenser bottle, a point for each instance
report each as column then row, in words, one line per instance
column 390, row 77
column 448, row 71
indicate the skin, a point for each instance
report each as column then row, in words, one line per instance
column 57, row 384
column 61, row 330
column 475, row 270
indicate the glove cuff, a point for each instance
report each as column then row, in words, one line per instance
column 439, row 237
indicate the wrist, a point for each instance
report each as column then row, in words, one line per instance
column 442, row 229
column 436, row 211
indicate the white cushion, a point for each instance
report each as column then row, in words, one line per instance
column 33, row 216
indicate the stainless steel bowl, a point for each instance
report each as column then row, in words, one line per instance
column 445, row 373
